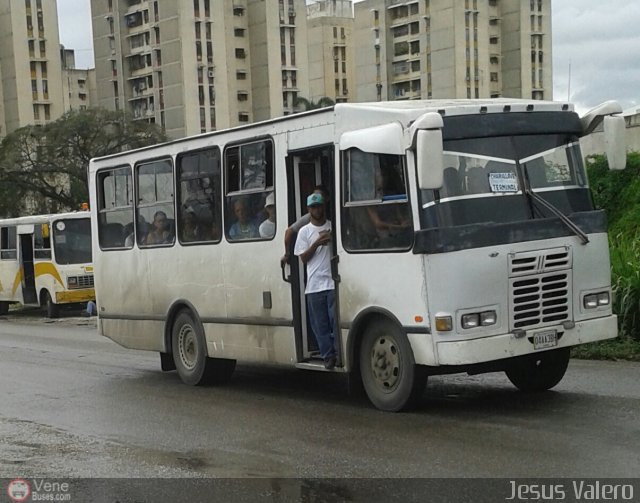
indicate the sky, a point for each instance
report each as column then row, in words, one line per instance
column 596, row 48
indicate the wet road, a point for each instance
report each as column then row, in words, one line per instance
column 74, row 404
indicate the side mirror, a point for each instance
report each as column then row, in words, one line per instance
column 429, row 158
column 614, row 141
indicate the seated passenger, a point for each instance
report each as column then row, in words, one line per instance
column 244, row 228
column 391, row 221
column 191, row 230
column 159, row 233
column 268, row 227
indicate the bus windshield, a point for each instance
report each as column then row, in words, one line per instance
column 72, row 240
column 485, row 180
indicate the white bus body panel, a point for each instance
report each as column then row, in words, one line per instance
column 478, row 280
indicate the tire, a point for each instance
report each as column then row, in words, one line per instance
column 539, row 372
column 390, row 376
column 4, row 308
column 52, row 309
column 190, row 354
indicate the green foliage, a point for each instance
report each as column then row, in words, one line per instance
column 49, row 163
column 306, row 104
column 618, row 193
column 625, row 267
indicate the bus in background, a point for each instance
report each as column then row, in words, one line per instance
column 464, row 240
column 45, row 260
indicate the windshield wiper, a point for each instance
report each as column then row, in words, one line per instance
column 564, row 218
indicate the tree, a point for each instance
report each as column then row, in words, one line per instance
column 313, row 105
column 49, row 164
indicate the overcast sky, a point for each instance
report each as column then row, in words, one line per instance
column 598, row 39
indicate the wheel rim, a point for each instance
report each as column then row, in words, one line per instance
column 385, row 363
column 187, row 346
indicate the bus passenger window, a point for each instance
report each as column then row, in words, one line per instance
column 155, row 202
column 8, row 240
column 199, row 196
column 115, row 207
column 376, row 210
column 250, row 200
column 41, row 242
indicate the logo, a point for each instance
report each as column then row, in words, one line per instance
column 18, row 490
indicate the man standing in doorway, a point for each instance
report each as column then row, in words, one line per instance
column 313, row 248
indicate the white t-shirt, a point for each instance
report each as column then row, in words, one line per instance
column 319, row 276
column 267, row 229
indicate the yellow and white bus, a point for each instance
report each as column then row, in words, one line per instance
column 45, row 260
column 465, row 239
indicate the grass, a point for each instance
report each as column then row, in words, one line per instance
column 621, row 348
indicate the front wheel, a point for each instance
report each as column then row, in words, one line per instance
column 390, row 376
column 190, row 354
column 50, row 307
column 539, row 372
column 4, row 308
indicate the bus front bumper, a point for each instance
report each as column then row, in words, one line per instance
column 498, row 347
column 75, row 296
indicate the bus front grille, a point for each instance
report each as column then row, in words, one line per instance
column 555, row 259
column 540, row 300
column 79, row 282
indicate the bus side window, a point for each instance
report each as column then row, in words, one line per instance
column 154, row 206
column 250, row 200
column 199, row 194
column 376, row 208
column 8, row 240
column 115, row 207
column 41, row 242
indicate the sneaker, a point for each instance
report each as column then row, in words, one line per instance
column 330, row 363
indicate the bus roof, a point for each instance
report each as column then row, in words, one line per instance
column 40, row 219
column 405, row 111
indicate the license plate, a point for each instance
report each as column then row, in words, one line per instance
column 545, row 339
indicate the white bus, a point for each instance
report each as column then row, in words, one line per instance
column 45, row 260
column 465, row 239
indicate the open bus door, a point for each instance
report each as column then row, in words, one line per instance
column 28, row 284
column 306, row 169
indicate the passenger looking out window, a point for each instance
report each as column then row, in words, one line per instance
column 268, row 227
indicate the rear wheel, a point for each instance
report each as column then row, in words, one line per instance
column 50, row 307
column 190, row 354
column 390, row 376
column 539, row 372
column 4, row 308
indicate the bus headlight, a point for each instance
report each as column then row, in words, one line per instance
column 470, row 320
column 483, row 319
column 594, row 300
column 72, row 282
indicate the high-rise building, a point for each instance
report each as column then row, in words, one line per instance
column 78, row 85
column 195, row 66
column 526, row 48
column 31, row 85
column 421, row 49
column 330, row 26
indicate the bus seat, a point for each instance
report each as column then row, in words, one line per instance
column 451, row 185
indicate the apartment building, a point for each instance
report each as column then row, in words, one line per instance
column 526, row 54
column 31, row 85
column 78, row 85
column 200, row 65
column 330, row 30
column 422, row 49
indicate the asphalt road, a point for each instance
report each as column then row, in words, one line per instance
column 74, row 404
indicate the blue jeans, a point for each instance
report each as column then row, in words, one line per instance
column 321, row 309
